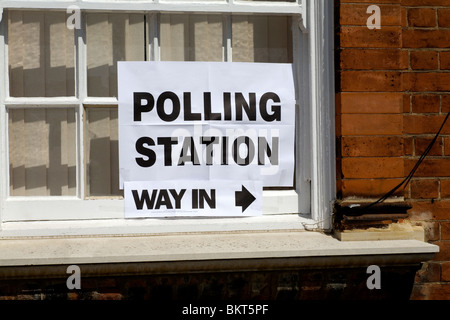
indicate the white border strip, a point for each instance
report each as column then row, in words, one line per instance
column 238, row 7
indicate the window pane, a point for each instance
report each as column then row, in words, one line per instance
column 102, row 151
column 191, row 37
column 262, row 39
column 41, row 54
column 111, row 38
column 42, row 152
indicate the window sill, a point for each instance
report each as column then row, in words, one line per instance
column 207, row 252
column 131, row 227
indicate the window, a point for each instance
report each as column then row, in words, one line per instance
column 58, row 105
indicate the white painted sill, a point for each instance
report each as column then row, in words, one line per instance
column 167, row 250
column 168, row 226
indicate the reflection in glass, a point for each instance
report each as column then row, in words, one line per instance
column 112, row 37
column 262, row 39
column 42, row 152
column 191, row 37
column 102, row 153
column 41, row 54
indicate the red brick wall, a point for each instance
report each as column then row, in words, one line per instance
column 392, row 96
column 257, row 285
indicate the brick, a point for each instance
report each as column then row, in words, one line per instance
column 425, row 124
column 408, row 146
column 430, row 291
column 424, row 60
column 107, row 296
column 404, row 13
column 425, row 38
column 369, row 188
column 29, row 297
column 445, row 188
column 426, row 82
column 447, row 146
column 372, row 146
column 356, row 14
column 338, row 125
column 407, row 103
column 422, row 211
column 427, row 210
column 446, row 103
column 426, row 103
column 72, row 296
column 8, row 298
column 445, row 60
column 374, row 124
column 376, row 81
column 430, row 272
column 444, row 251
column 372, row 168
column 376, row 102
column 429, row 167
column 425, row 189
column 421, row 144
column 445, row 271
column 410, row 3
column 362, row 37
column 444, row 18
column 422, row 17
column 374, row 59
column 338, row 102
column 445, row 230
column 432, row 230
column 368, row 1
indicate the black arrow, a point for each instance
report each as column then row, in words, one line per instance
column 244, row 198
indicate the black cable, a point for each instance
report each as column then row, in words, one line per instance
column 406, row 181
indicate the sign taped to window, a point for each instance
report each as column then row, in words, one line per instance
column 207, row 121
column 181, row 198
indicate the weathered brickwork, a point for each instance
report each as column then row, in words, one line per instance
column 393, row 93
column 333, row 283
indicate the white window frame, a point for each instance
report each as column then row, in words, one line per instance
column 308, row 206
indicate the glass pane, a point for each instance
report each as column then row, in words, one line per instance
column 41, row 54
column 102, row 151
column 191, row 37
column 42, row 152
column 110, row 38
column 262, row 39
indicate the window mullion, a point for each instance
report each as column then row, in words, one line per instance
column 4, row 93
column 4, row 81
column 153, row 20
column 81, row 91
column 227, row 35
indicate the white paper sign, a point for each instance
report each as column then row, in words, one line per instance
column 192, row 198
column 206, row 121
